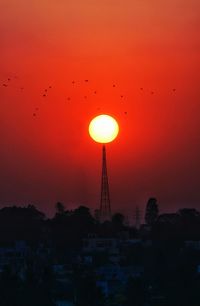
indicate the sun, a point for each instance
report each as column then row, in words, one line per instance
column 103, row 129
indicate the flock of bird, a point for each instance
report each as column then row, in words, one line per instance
column 45, row 92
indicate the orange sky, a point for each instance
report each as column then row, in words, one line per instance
column 153, row 45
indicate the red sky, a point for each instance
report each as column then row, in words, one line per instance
column 154, row 45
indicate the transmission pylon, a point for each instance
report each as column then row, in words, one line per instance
column 105, row 208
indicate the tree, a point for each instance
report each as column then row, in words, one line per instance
column 167, row 227
column 60, row 208
column 83, row 219
column 151, row 213
column 118, row 221
column 189, row 223
column 21, row 223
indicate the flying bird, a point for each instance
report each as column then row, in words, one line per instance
column 86, row 81
column 44, row 95
column 141, row 88
column 5, row 85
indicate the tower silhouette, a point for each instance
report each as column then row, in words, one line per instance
column 105, row 208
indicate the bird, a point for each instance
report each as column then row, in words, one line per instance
column 5, row 85
column 37, row 108
column 141, row 88
column 121, row 96
column 50, row 87
column 95, row 92
column 68, row 98
column 152, row 92
column 45, row 90
column 34, row 114
column 8, row 79
column 174, row 89
column 21, row 88
column 44, row 95
column 114, row 85
column 86, row 80
column 125, row 113
column 85, row 97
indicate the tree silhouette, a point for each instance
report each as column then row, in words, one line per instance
column 60, row 208
column 118, row 222
column 20, row 223
column 151, row 213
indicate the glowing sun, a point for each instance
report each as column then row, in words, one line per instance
column 103, row 129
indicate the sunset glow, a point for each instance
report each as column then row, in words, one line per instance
column 103, row 129
column 65, row 62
